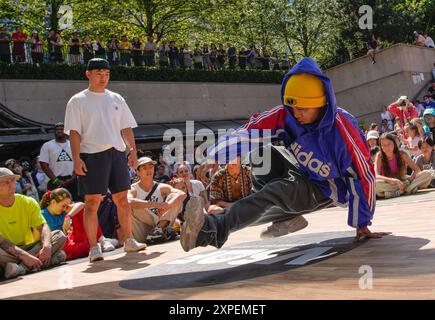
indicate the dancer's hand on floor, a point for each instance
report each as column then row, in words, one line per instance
column 366, row 233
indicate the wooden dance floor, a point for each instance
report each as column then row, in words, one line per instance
column 319, row 262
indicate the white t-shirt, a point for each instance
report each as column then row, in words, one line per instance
column 99, row 119
column 155, row 197
column 197, row 187
column 58, row 156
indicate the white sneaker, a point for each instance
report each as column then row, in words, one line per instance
column 106, row 245
column 114, row 242
column 278, row 229
column 131, row 245
column 58, row 258
column 95, row 253
column 13, row 270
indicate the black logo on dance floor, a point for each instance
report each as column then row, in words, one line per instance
column 243, row 261
column 63, row 156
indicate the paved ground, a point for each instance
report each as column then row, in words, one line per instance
column 399, row 266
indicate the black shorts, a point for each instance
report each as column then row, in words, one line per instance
column 107, row 170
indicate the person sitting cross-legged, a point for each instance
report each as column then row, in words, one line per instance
column 391, row 166
column 21, row 224
column 155, row 206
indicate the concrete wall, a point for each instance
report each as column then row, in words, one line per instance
column 150, row 102
column 361, row 88
column 364, row 88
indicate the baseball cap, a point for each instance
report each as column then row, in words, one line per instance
column 403, row 98
column 98, row 63
column 144, row 160
column 59, row 125
column 6, row 173
column 373, row 134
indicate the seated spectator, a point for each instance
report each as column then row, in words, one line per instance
column 391, row 166
column 373, row 127
column 21, row 223
column 18, row 51
column 179, row 184
column 285, row 62
column 5, row 40
column 418, row 122
column 373, row 138
column 420, row 107
column 154, row 205
column 229, row 184
column 74, row 55
column 412, row 141
column 386, row 115
column 60, row 214
column 426, row 161
column 429, row 123
column 419, row 39
column 25, row 184
column 385, row 127
column 194, row 187
column 160, row 175
column 40, row 178
column 36, row 45
column 404, row 110
column 428, row 41
column 427, row 103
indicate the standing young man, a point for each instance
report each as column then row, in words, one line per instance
column 99, row 123
column 56, row 161
column 327, row 160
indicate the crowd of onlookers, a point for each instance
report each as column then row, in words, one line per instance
column 37, row 49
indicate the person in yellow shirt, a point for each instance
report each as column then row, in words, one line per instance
column 26, row 241
column 125, row 49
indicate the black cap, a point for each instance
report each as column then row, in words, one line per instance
column 98, row 63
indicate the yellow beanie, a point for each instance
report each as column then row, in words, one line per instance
column 304, row 90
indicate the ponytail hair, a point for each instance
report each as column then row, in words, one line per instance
column 58, row 195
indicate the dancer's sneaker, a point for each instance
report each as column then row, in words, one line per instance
column 281, row 228
column 193, row 221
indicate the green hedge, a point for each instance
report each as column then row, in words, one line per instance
column 119, row 73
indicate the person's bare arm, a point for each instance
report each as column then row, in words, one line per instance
column 178, row 199
column 26, row 258
column 46, row 168
column 128, row 136
column 45, row 253
column 79, row 166
column 415, row 169
column 136, row 203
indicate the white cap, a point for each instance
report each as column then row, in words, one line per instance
column 373, row 134
column 144, row 160
column 403, row 98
